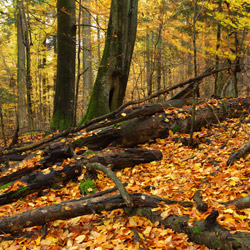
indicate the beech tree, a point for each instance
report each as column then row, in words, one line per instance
column 111, row 81
column 63, row 115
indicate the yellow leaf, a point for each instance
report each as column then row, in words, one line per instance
column 132, row 222
column 38, row 241
column 165, row 214
column 141, row 235
column 166, row 120
column 79, row 239
column 171, row 133
column 168, row 239
column 123, row 114
column 67, row 208
column 147, row 230
column 232, row 183
column 229, row 210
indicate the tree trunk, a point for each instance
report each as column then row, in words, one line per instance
column 21, row 88
column 217, row 58
column 87, row 57
column 26, row 38
column 111, row 81
column 63, row 115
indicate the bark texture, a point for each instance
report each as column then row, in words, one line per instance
column 111, row 81
column 63, row 114
column 144, row 129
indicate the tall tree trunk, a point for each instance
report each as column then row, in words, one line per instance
column 111, row 82
column 87, row 57
column 21, row 87
column 149, row 65
column 217, row 58
column 28, row 65
column 63, row 115
column 98, row 37
column 78, row 60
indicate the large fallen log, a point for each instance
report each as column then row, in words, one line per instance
column 144, row 129
column 207, row 231
column 38, row 181
column 78, row 207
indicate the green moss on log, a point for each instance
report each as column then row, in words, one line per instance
column 6, row 185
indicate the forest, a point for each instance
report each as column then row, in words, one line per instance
column 124, row 124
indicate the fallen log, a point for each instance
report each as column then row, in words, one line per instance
column 39, row 181
column 207, row 231
column 144, row 129
column 242, row 152
column 71, row 209
column 107, row 116
column 55, row 152
column 118, row 159
column 240, row 203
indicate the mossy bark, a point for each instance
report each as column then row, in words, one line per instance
column 63, row 115
column 111, row 81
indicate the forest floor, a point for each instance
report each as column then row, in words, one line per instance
column 177, row 176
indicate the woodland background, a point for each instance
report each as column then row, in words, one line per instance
column 163, row 54
column 185, row 167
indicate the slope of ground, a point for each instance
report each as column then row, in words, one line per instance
column 177, row 176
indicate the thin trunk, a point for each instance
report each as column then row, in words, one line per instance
column 2, row 124
column 21, row 87
column 78, row 60
column 28, row 76
column 87, row 57
column 158, row 61
column 195, row 89
column 98, row 39
column 237, row 65
column 148, row 65
column 217, row 58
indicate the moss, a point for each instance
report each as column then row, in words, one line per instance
column 89, row 152
column 6, row 185
column 99, row 103
column 87, row 187
column 78, row 142
column 176, row 129
column 215, row 243
column 117, row 125
column 60, row 122
column 197, row 230
column 19, row 191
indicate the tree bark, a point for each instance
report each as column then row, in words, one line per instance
column 144, row 129
column 243, row 151
column 38, row 181
column 21, row 88
column 207, row 231
column 87, row 56
column 111, row 81
column 78, row 207
column 63, row 115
